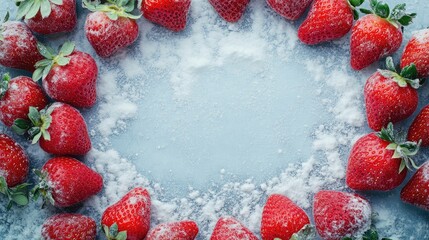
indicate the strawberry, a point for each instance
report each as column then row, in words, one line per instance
column 338, row 215
column 69, row 226
column 289, row 9
column 328, row 20
column 14, row 167
column 377, row 34
column 228, row 228
column 283, row 219
column 416, row 192
column 419, row 130
column 416, row 52
column 230, row 10
column 111, row 26
column 171, row 14
column 65, row 181
column 60, row 128
column 18, row 47
column 129, row 218
column 391, row 96
column 48, row 16
column 17, row 96
column 183, row 230
column 378, row 161
column 69, row 76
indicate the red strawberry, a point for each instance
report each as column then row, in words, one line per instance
column 48, row 16
column 338, row 215
column 378, row 34
column 18, row 47
column 68, row 77
column 389, row 96
column 289, row 9
column 183, row 230
column 328, row 20
column 378, row 162
column 171, row 14
column 69, row 226
column 230, row 10
column 129, row 218
column 111, row 27
column 60, row 128
column 416, row 52
column 13, row 171
column 228, row 228
column 419, row 129
column 283, row 219
column 65, row 181
column 416, row 191
column 17, row 96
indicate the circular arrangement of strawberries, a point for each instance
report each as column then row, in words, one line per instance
column 378, row 161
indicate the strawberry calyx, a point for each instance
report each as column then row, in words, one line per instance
column 51, row 59
column 113, row 8
column 30, row 8
column 308, row 232
column 37, row 126
column 398, row 16
column 4, row 84
column 17, row 194
column 112, row 232
column 402, row 149
column 6, row 18
column 407, row 76
column 371, row 234
column 42, row 188
column 353, row 5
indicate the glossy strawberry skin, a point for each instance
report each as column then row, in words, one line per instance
column 289, row 9
column 74, row 83
column 371, row 166
column 327, row 20
column 14, row 163
column 281, row 218
column 109, row 36
column 338, row 215
column 63, row 18
column 19, row 47
column 230, row 10
column 372, row 38
column 131, row 214
column 416, row 192
column 171, row 14
column 68, row 226
column 68, row 131
column 183, row 230
column 416, row 51
column 386, row 101
column 22, row 94
column 228, row 228
column 419, row 129
column 71, row 181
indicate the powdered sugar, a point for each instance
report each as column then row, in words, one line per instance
column 421, row 36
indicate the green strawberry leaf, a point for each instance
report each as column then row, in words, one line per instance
column 38, row 74
column 62, row 61
column 46, row 70
column 45, row 51
column 406, row 20
column 21, row 200
column 20, row 126
column 45, row 8
column 355, row 14
column 121, row 236
column 390, row 65
column 67, row 48
column 43, row 63
column 24, row 8
column 356, row 3
column 33, row 10
column 382, row 10
column 365, row 11
column 308, row 232
column 57, row 2
column 112, row 15
column 4, row 84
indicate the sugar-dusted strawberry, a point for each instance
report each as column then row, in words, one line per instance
column 289, row 9
column 129, row 218
column 391, row 96
column 17, row 96
column 283, row 219
column 171, row 14
column 183, row 230
column 328, row 20
column 378, row 161
column 416, row 51
column 338, row 215
column 69, row 76
column 111, row 26
column 377, row 34
column 18, row 46
column 230, row 10
column 59, row 128
column 419, row 129
column 48, row 16
column 416, row 192
column 69, row 226
column 65, row 181
column 14, row 167
column 228, row 228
